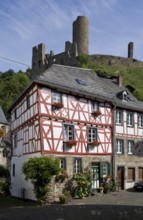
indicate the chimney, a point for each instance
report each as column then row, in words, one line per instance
column 119, row 80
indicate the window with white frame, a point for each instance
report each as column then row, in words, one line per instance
column 119, row 146
column 77, row 165
column 140, row 120
column 119, row 117
column 63, row 163
column 95, row 106
column 130, row 119
column 105, row 169
column 56, row 97
column 92, row 134
column 68, row 132
column 130, row 146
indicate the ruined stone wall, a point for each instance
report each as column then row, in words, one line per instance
column 115, row 60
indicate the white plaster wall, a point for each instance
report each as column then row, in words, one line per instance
column 18, row 182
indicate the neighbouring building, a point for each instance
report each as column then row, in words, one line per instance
column 83, row 119
column 127, row 133
column 4, row 140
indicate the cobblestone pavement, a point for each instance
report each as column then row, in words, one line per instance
column 121, row 205
column 122, row 197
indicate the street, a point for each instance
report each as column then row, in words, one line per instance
column 118, row 205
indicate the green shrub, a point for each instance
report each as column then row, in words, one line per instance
column 83, row 184
column 40, row 171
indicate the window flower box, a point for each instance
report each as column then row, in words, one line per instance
column 96, row 113
column 70, row 143
column 94, row 143
column 57, row 105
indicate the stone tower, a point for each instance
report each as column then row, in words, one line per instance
column 38, row 59
column 80, row 34
column 130, row 50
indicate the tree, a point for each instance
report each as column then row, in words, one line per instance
column 40, row 171
column 11, row 85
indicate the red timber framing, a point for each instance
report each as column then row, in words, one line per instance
column 77, row 112
column 42, row 126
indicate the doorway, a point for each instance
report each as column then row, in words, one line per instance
column 95, row 171
column 120, row 175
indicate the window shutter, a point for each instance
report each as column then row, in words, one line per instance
column 101, row 170
column 110, row 169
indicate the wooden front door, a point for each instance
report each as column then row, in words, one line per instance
column 120, row 175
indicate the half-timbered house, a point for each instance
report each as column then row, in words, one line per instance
column 73, row 114
column 64, row 113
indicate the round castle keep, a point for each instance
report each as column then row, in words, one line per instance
column 80, row 34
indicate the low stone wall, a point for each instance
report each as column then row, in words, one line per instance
column 55, row 190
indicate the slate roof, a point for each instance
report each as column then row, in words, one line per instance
column 3, row 119
column 65, row 79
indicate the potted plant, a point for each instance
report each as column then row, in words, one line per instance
column 70, row 143
column 57, row 105
column 101, row 188
column 94, row 143
column 96, row 113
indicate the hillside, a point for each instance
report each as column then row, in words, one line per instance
column 131, row 70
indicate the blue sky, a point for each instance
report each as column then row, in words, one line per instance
column 27, row 23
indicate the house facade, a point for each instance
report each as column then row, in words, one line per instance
column 72, row 114
column 4, row 148
column 127, row 134
column 60, row 115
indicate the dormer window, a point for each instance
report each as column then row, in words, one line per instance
column 124, row 96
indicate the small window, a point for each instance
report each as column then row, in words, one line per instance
column 119, row 146
column 119, row 117
column 130, row 147
column 130, row 119
column 13, row 169
column 92, row 134
column 131, row 174
column 28, row 101
column 15, row 140
column 68, row 132
column 56, row 97
column 15, row 113
column 63, row 163
column 140, row 120
column 39, row 63
column 81, row 82
column 77, row 165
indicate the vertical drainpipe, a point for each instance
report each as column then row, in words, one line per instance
column 113, row 141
